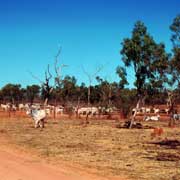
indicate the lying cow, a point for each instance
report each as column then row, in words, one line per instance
column 152, row 118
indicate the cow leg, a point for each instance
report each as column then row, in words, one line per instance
column 41, row 123
column 36, row 124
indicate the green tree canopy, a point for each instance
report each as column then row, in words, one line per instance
column 148, row 58
column 11, row 92
column 175, row 61
column 32, row 92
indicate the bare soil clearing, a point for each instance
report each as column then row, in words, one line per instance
column 20, row 164
column 13, row 167
column 100, row 148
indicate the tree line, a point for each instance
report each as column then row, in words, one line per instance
column 71, row 94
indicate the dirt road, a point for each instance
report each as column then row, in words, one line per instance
column 19, row 164
column 17, row 167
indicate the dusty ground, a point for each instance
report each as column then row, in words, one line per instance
column 15, row 166
column 100, row 147
column 22, row 167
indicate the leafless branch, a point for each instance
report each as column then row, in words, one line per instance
column 57, row 68
column 97, row 70
column 91, row 76
column 56, row 62
column 45, row 84
column 48, row 75
column 87, row 74
column 35, row 77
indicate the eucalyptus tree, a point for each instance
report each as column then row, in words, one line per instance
column 175, row 61
column 174, row 67
column 69, row 88
column 148, row 59
column 82, row 92
column 11, row 93
column 121, row 72
column 105, row 89
column 32, row 92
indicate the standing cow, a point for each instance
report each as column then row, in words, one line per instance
column 38, row 116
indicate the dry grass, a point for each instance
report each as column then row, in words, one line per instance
column 101, row 146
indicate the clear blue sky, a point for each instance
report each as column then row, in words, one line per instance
column 89, row 31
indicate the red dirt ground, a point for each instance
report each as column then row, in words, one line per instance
column 16, row 164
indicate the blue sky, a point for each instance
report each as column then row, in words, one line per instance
column 90, row 33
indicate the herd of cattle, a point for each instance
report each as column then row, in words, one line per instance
column 50, row 109
column 39, row 112
column 24, row 107
column 148, row 110
column 154, row 114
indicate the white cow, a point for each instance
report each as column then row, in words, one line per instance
column 156, row 110
column 152, row 118
column 148, row 110
column 167, row 110
column 13, row 107
column 36, row 106
column 59, row 110
column 5, row 107
column 88, row 110
column 48, row 111
column 27, row 106
column 38, row 116
column 138, row 110
column 21, row 107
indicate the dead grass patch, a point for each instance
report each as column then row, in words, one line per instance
column 101, row 146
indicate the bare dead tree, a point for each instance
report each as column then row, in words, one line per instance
column 47, row 88
column 35, row 77
column 58, row 69
column 58, row 73
column 46, row 85
column 141, row 102
column 90, row 79
column 133, row 117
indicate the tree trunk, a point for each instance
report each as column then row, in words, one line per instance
column 171, row 113
column 54, row 110
column 45, row 102
column 89, row 95
column 78, row 102
column 170, row 105
column 134, row 115
column 109, row 95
